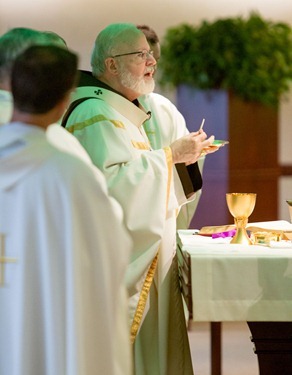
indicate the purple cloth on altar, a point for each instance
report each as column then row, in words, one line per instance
column 229, row 233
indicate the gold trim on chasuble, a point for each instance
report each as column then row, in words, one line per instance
column 151, row 271
column 141, row 145
column 93, row 120
column 3, row 259
column 143, row 298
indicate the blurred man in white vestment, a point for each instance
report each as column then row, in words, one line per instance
column 63, row 303
column 12, row 43
column 108, row 122
column 165, row 125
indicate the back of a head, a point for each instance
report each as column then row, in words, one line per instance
column 152, row 39
column 16, row 40
column 12, row 43
column 54, row 39
column 109, row 42
column 41, row 77
column 150, row 34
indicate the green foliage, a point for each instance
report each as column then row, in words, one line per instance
column 252, row 57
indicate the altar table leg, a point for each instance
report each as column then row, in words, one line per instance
column 215, row 348
column 273, row 346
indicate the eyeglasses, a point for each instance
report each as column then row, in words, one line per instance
column 143, row 55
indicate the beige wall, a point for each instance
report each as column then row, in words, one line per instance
column 79, row 21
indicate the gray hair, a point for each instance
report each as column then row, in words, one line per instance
column 108, row 43
column 14, row 42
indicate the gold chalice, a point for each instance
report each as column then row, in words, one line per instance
column 290, row 208
column 241, row 206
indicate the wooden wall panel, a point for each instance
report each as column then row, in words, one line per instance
column 249, row 163
column 253, row 155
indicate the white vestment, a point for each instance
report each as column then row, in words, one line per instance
column 165, row 126
column 62, row 307
column 5, row 106
column 55, row 133
column 65, row 141
column 145, row 183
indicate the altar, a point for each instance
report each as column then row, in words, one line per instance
column 224, row 282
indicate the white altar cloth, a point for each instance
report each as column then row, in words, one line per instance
column 235, row 282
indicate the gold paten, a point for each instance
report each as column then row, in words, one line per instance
column 264, row 238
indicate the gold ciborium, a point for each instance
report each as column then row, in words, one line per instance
column 290, row 208
column 241, row 206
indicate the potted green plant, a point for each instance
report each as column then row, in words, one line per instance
column 251, row 57
column 233, row 72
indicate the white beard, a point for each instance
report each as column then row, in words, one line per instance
column 140, row 86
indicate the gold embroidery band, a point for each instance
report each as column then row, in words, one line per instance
column 3, row 259
column 93, row 120
column 168, row 155
column 143, row 298
column 150, row 275
column 141, row 145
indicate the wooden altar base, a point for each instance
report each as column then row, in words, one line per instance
column 273, row 346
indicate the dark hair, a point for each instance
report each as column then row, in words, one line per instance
column 41, row 78
column 150, row 34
